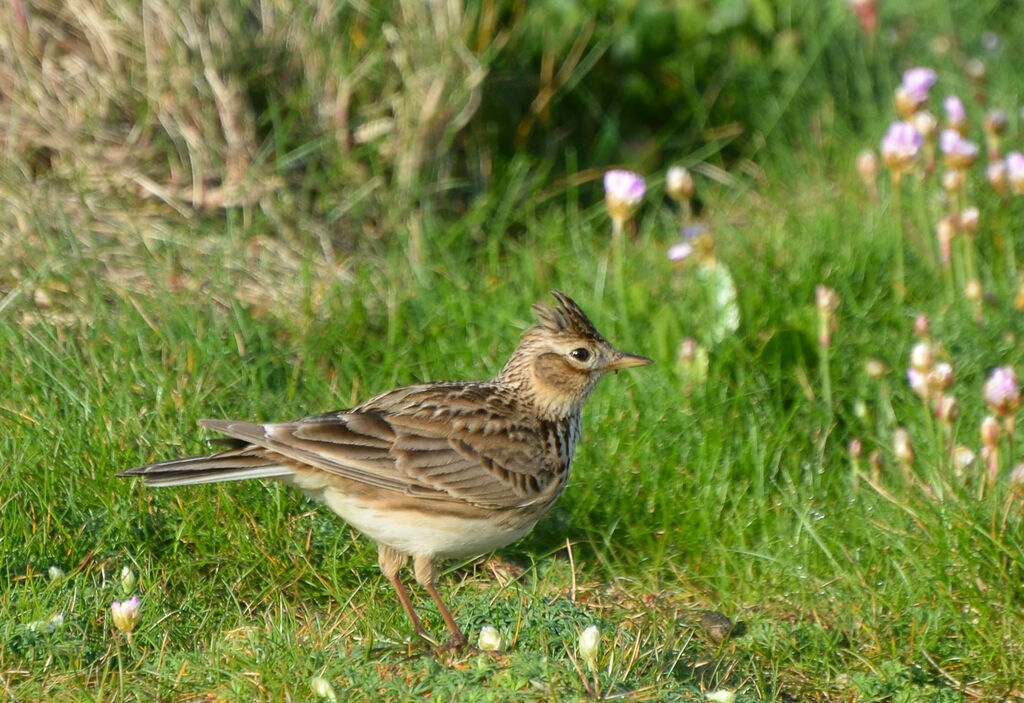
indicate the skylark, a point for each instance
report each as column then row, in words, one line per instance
column 435, row 470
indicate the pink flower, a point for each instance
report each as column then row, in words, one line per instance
column 917, row 82
column 681, row 251
column 901, row 146
column 956, row 115
column 1002, row 394
column 623, row 193
column 1014, row 163
column 960, row 153
column 126, row 614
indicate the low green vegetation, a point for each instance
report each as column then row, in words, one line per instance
column 717, row 482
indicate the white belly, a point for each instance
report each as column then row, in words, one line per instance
column 415, row 532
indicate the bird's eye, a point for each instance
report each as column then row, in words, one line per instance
column 580, row 353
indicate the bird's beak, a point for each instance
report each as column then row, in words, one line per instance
column 622, row 360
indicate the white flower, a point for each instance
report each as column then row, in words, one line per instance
column 322, row 688
column 589, row 645
column 126, row 614
column 623, row 193
column 722, row 696
column 679, row 184
column 490, row 639
column 55, row 573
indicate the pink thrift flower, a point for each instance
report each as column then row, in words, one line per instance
column 956, row 115
column 901, row 146
column 917, row 82
column 126, row 614
column 623, row 193
column 1001, row 391
column 680, row 251
column 1014, row 163
column 960, row 153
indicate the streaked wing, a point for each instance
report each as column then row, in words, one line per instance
column 450, row 441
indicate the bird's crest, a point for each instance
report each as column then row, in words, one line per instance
column 565, row 318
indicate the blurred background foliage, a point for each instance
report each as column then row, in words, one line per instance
column 346, row 119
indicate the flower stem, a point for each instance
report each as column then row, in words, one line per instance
column 899, row 285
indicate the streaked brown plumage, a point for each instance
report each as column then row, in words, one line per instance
column 433, row 470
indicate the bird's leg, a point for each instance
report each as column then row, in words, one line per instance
column 391, row 561
column 426, row 574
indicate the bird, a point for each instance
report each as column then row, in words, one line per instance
column 435, row 470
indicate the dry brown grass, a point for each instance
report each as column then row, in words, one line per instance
column 219, row 105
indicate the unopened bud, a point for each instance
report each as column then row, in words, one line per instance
column 972, row 290
column 921, row 357
column 969, row 219
column 926, row 124
column 905, row 104
column 996, row 122
column 940, row 377
column 868, row 166
column 679, row 184
column 975, row 70
column 875, row 368
column 963, row 457
column 995, row 172
column 856, row 448
column 952, row 180
column 990, row 431
column 901, row 446
column 944, row 232
column 921, row 326
column 947, row 410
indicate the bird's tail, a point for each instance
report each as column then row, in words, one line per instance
column 230, row 465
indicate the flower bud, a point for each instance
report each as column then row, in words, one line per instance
column 990, row 431
column 944, row 232
column 861, row 410
column 875, row 368
column 1014, row 162
column 490, row 639
column 972, row 290
column 589, row 646
column 322, row 688
column 901, row 446
column 127, row 580
column 868, row 167
column 856, row 448
column 926, row 124
column 921, row 325
column 963, row 458
column 996, row 122
column 952, row 180
column 969, row 220
column 1001, row 391
column 679, row 184
column 976, row 71
column 995, row 172
column 1017, row 477
column 921, row 357
column 918, row 382
column 956, row 115
column 947, row 410
column 940, row 377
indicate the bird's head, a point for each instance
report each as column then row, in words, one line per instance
column 560, row 358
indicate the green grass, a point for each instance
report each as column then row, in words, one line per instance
column 122, row 324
